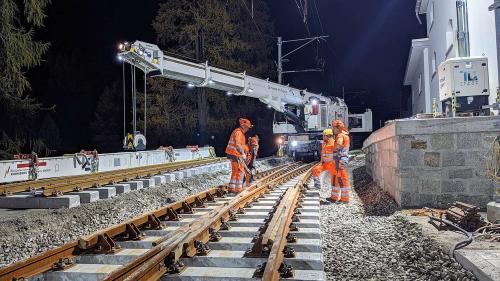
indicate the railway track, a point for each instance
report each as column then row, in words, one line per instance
column 269, row 231
column 59, row 186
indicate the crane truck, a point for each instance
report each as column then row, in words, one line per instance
column 302, row 115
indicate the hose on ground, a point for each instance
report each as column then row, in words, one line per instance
column 459, row 244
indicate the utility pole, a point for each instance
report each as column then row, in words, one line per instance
column 202, row 94
column 282, row 58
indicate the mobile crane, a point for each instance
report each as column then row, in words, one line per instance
column 302, row 115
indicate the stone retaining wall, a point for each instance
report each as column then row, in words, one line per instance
column 433, row 162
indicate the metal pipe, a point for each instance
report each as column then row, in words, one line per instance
column 145, row 112
column 463, row 28
column 417, row 11
column 124, row 100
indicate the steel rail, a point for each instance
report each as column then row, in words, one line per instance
column 184, row 241
column 279, row 230
column 53, row 185
column 45, row 261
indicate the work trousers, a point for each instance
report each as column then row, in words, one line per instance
column 340, row 183
column 325, row 166
column 236, row 182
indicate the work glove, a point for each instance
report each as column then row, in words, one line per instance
column 344, row 162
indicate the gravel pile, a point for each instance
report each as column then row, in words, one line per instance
column 368, row 240
column 24, row 234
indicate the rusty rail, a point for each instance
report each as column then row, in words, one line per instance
column 191, row 238
column 58, row 186
column 102, row 241
column 278, row 233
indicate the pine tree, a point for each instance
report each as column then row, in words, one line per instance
column 230, row 40
column 106, row 126
column 19, row 52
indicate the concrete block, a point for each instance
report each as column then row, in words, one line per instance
column 483, row 263
column 427, row 200
column 453, row 158
column 86, row 196
column 493, row 212
column 122, row 188
column 159, row 180
column 26, row 201
column 431, row 186
column 105, row 192
column 179, row 175
column 147, row 182
column 135, row 185
column 442, row 141
column 432, row 159
column 452, row 186
column 169, row 177
column 460, row 173
column 87, row 272
column 469, row 141
column 187, row 173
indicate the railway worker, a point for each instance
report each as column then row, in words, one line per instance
column 235, row 151
column 341, row 187
column 252, row 152
column 327, row 163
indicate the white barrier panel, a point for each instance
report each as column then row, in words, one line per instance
column 68, row 165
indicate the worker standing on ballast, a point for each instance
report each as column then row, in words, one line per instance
column 327, row 163
column 341, row 187
column 235, row 151
column 252, row 152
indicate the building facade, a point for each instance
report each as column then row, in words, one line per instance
column 444, row 42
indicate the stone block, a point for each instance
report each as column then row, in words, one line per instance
column 475, row 158
column 430, row 186
column 432, row 159
column 481, row 187
column 469, row 141
column 411, row 185
column 453, row 158
column 488, row 138
column 444, row 201
column 442, row 141
column 452, row 186
column 460, row 173
column 411, row 158
column 418, row 144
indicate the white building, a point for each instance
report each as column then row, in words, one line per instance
column 443, row 43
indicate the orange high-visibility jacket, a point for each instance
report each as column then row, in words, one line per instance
column 327, row 150
column 342, row 144
column 237, row 143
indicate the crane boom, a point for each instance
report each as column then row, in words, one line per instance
column 309, row 112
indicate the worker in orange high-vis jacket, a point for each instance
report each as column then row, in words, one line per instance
column 327, row 163
column 341, row 187
column 235, row 151
column 252, row 152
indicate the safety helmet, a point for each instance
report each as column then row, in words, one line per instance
column 327, row 132
column 338, row 124
column 245, row 122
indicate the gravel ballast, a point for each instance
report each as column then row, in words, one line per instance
column 26, row 233
column 368, row 240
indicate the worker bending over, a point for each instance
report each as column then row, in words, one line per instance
column 252, row 151
column 235, row 151
column 341, row 187
column 327, row 163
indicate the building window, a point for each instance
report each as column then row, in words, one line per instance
column 420, row 84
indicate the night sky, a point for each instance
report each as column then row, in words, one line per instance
column 366, row 54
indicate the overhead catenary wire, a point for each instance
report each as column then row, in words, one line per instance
column 250, row 12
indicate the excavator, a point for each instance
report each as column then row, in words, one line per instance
column 302, row 115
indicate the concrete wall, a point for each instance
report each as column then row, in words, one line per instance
column 433, row 162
